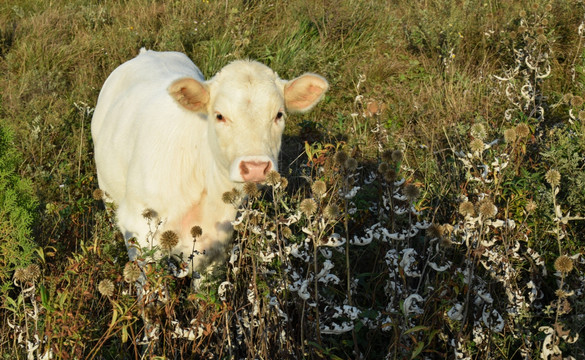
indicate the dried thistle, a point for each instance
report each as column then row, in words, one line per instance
column 340, row 157
column 567, row 98
column 553, row 177
column 466, row 208
column 577, row 101
column 510, row 135
column 530, row 206
column 19, row 275
column 286, row 232
column 308, row 207
column 331, row 211
column 319, row 188
column 351, row 164
column 98, row 194
column 251, row 189
column 383, row 167
column 487, row 209
column 387, row 156
column 228, row 197
column 477, row 145
column 434, row 232
column 564, row 264
column 196, row 231
column 273, row 177
column 32, row 272
column 131, row 272
column 106, row 287
column 522, row 130
column 169, row 239
column 411, row 192
column 478, row 131
column 397, row 155
column 390, row 175
column 149, row 214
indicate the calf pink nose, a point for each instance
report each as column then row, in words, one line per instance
column 254, row 171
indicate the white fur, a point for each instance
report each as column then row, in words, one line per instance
column 157, row 149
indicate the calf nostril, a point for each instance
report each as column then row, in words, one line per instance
column 243, row 168
column 267, row 168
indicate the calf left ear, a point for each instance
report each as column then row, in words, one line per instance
column 304, row 92
column 190, row 94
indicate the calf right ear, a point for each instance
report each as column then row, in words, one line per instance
column 190, row 94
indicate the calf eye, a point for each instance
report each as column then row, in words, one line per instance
column 219, row 117
column 279, row 115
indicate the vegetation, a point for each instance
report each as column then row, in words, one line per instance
column 431, row 207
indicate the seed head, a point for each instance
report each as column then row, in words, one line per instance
column 351, row 164
column 548, row 7
column 387, row 156
column 319, row 188
column 106, row 287
column 286, row 232
column 397, row 155
column 540, row 31
column 228, row 197
column 535, row 6
column 510, row 135
column 19, row 275
column 283, row 182
column 567, row 98
column 487, row 209
column 434, row 231
column 564, row 264
column 98, row 194
column 477, row 145
column 196, row 231
column 541, row 39
column 273, row 177
column 581, row 115
column 149, row 214
column 553, row 177
column 383, row 167
column 131, row 272
column 340, row 157
column 478, row 131
column 32, row 272
column 544, row 22
column 390, row 175
column 308, row 207
column 411, row 192
column 331, row 211
column 522, row 29
column 251, row 189
column 522, row 130
column 169, row 239
column 530, row 206
column 577, row 101
column 522, row 13
column 466, row 208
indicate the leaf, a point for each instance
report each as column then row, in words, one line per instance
column 417, row 350
column 416, row 328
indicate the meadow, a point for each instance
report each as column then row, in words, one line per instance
column 431, row 206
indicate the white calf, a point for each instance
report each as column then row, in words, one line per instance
column 166, row 139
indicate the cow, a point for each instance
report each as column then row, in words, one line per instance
column 167, row 140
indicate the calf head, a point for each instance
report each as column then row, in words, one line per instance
column 245, row 104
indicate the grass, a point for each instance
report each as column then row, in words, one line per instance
column 449, row 234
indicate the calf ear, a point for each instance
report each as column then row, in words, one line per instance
column 304, row 92
column 190, row 94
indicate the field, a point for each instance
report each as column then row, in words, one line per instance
column 431, row 206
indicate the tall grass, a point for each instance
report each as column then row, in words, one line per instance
column 431, row 207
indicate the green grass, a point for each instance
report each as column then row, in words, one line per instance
column 431, row 68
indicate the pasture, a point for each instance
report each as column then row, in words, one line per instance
column 431, row 206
